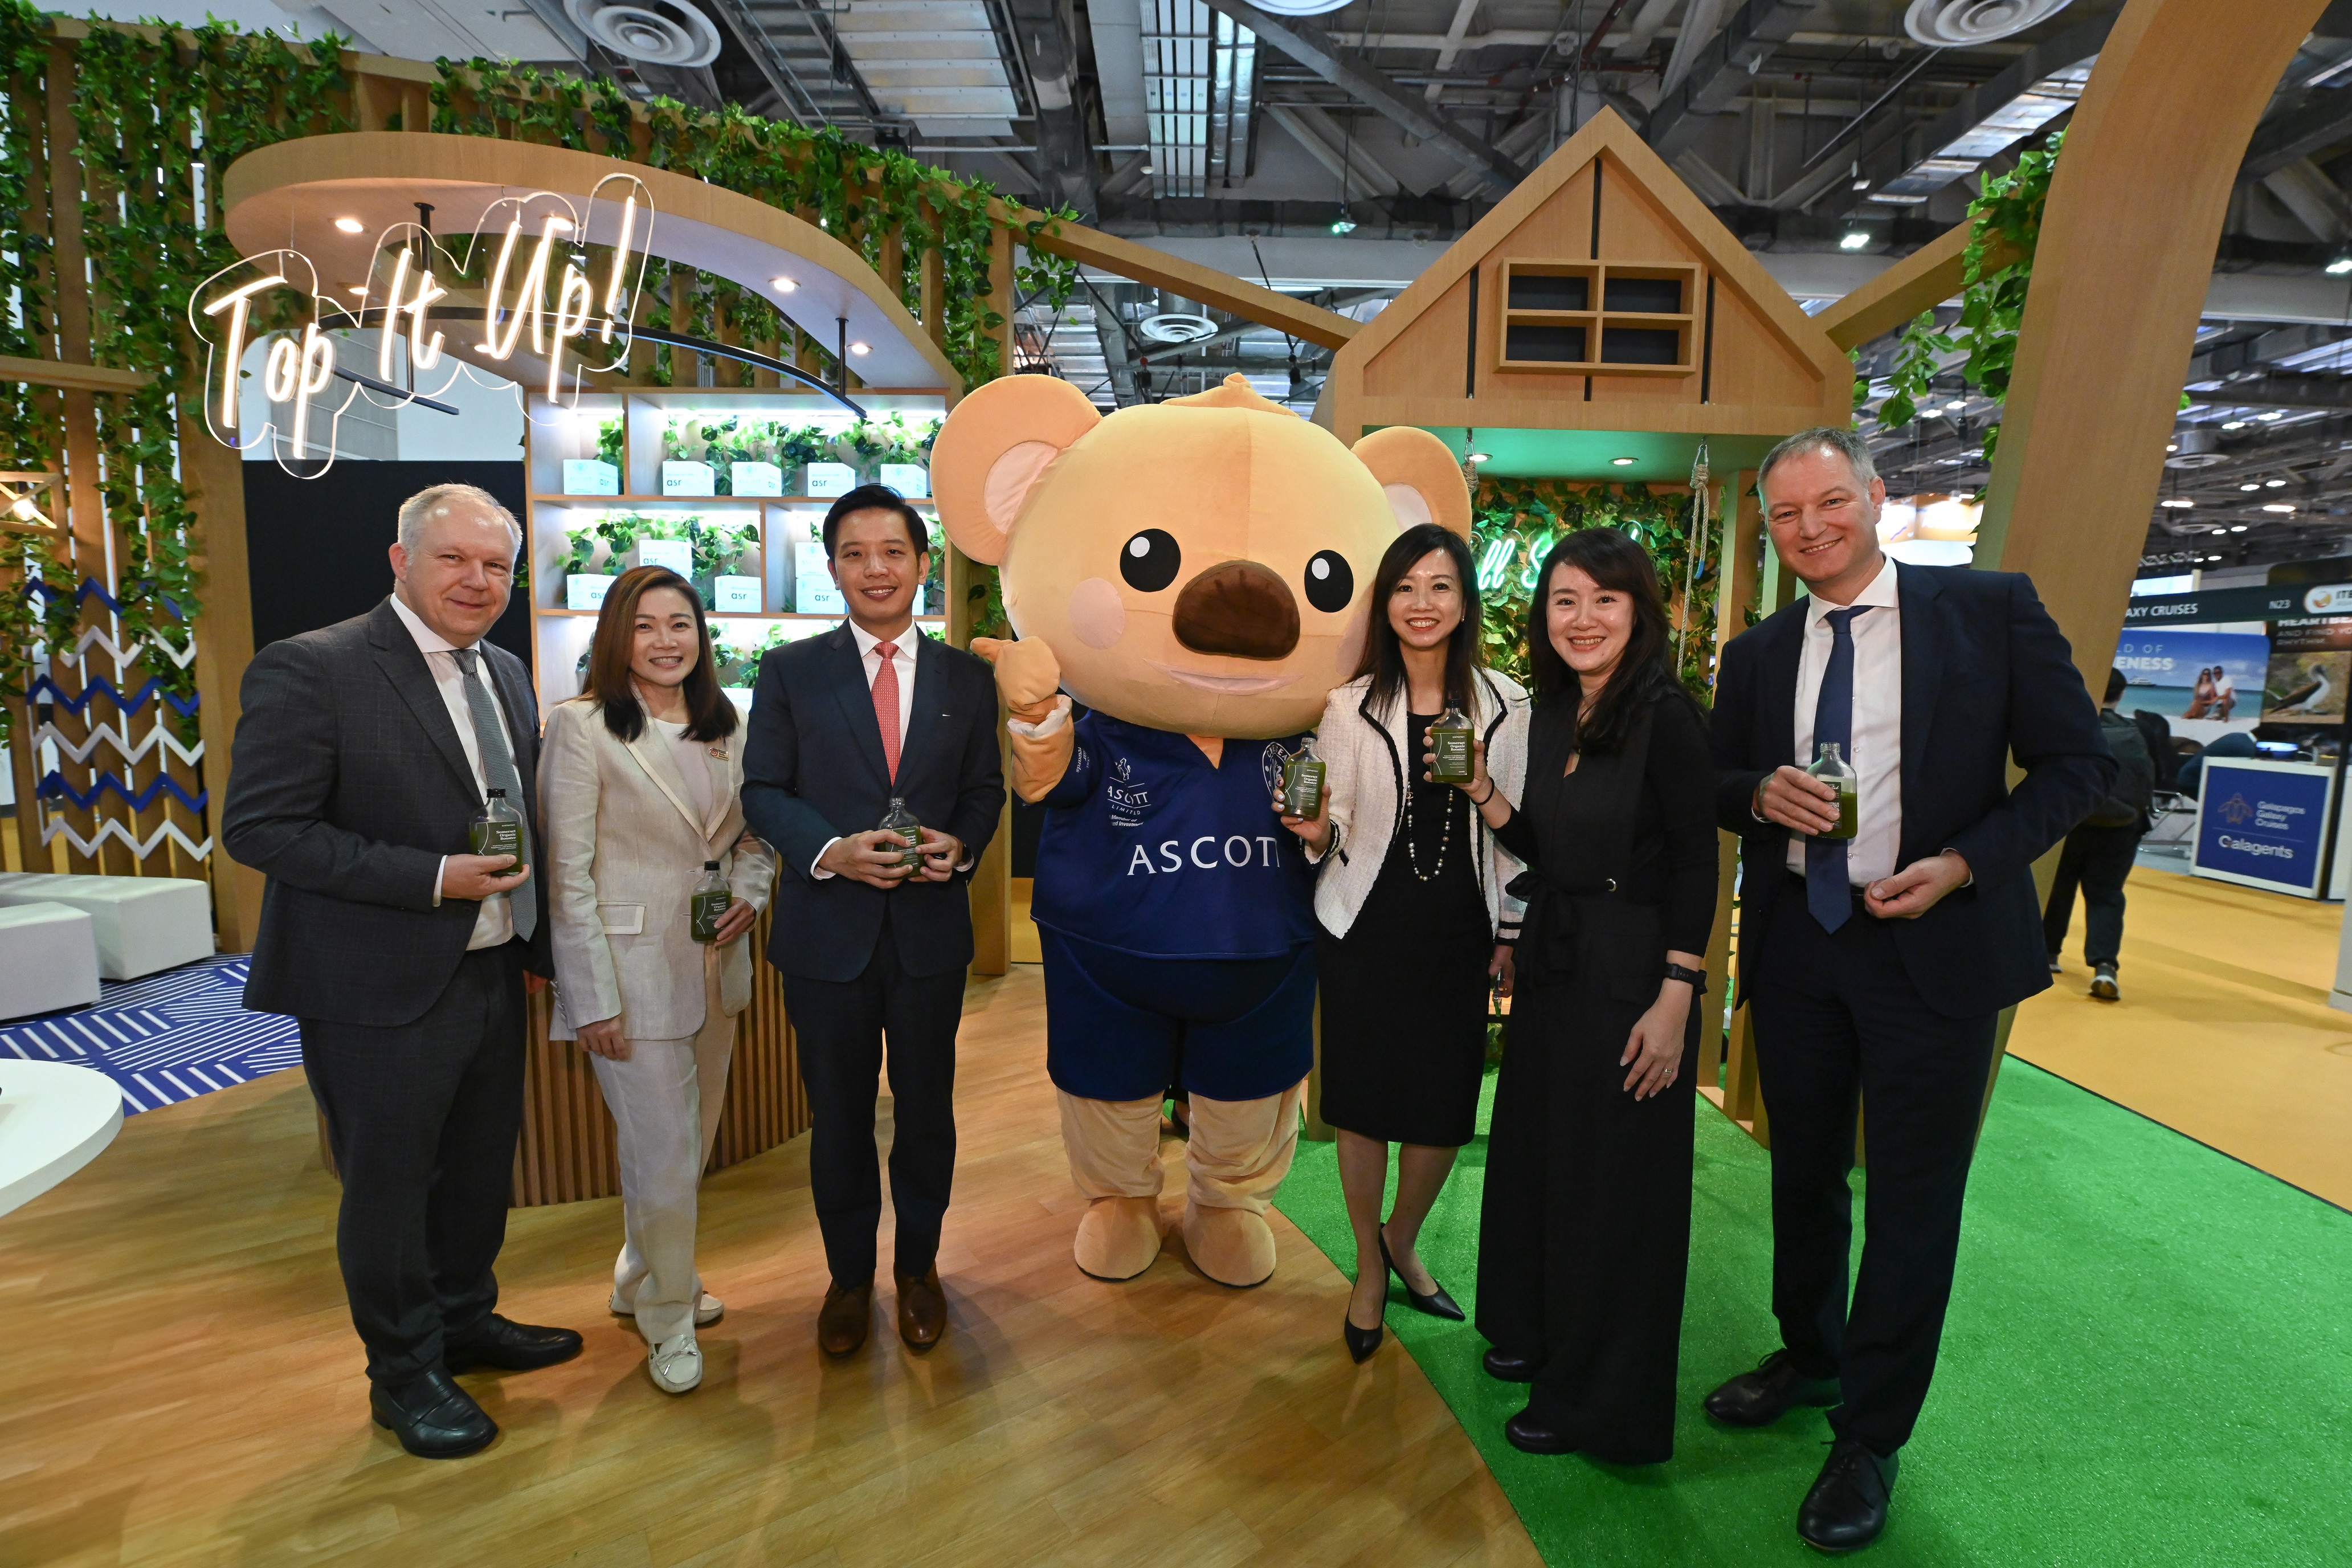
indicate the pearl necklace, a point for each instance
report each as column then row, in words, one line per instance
column 1445, row 840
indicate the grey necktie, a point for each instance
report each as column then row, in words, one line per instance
column 498, row 770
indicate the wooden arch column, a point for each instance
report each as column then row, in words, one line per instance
column 2120, row 277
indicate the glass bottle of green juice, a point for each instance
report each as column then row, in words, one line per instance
column 1302, row 783
column 1831, row 768
column 902, row 821
column 708, row 902
column 496, row 829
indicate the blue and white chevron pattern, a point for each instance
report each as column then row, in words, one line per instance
column 168, row 1037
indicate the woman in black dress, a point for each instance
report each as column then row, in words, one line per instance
column 1584, row 1234
column 1408, row 906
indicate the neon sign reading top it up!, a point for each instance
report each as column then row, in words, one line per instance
column 543, row 287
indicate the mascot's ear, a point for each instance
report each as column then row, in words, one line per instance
column 1421, row 475
column 998, row 443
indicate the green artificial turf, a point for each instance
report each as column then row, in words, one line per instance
column 2148, row 1360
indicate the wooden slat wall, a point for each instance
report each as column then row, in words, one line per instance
column 567, row 1154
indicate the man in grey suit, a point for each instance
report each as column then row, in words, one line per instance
column 364, row 753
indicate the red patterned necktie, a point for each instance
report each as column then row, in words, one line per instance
column 885, row 704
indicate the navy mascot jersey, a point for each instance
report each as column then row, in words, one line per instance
column 1151, row 850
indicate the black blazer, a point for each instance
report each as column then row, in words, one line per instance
column 346, row 788
column 814, row 771
column 1986, row 676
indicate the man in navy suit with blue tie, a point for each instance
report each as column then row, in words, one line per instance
column 871, row 947
column 1875, row 967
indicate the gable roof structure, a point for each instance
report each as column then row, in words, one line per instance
column 1600, row 295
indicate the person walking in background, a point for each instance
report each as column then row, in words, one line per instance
column 1410, row 909
column 1584, row 1233
column 1876, row 965
column 641, row 784
column 364, row 753
column 873, row 941
column 2098, row 854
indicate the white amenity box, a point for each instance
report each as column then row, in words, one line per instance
column 755, row 478
column 683, row 479
column 827, row 480
column 591, row 477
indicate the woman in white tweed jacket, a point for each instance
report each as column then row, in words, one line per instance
column 641, row 784
column 1410, row 910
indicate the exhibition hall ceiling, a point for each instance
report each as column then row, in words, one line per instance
column 1332, row 150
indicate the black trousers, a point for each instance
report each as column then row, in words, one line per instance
column 1836, row 1016
column 423, row 1119
column 841, row 1026
column 2097, row 861
column 1584, row 1231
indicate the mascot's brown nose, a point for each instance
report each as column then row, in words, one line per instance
column 1237, row 607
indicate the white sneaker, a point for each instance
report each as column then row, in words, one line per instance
column 676, row 1363
column 708, row 1309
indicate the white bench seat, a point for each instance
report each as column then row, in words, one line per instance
column 141, row 924
column 48, row 959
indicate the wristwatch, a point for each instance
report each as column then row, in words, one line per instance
column 1696, row 977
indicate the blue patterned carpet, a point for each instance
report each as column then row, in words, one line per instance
column 168, row 1037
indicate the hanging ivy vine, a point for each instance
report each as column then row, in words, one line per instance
column 1515, row 523
column 2005, row 220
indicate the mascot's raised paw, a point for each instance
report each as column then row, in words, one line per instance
column 1028, row 675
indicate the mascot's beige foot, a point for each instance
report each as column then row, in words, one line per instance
column 1119, row 1237
column 1232, row 1246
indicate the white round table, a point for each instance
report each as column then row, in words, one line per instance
column 54, row 1119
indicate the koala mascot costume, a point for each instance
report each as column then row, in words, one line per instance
column 1193, row 572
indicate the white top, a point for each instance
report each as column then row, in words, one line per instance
column 54, row 1119
column 494, row 924
column 693, row 760
column 1876, row 753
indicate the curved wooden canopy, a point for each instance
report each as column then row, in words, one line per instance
column 291, row 193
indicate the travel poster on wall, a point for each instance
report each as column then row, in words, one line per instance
column 2203, row 683
column 2310, row 670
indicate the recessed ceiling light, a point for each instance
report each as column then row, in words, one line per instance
column 358, row 289
column 2279, row 505
column 1957, row 405
column 860, row 349
column 783, row 285
column 2172, row 446
column 1476, row 457
column 2233, row 423
column 2176, row 500
column 1862, row 184
column 2213, row 558
column 2270, row 416
column 2249, row 487
column 2220, row 530
column 1620, row 462
column 2275, row 484
column 2237, row 528
column 350, row 225
column 1854, row 241
column 559, row 224
column 2339, row 267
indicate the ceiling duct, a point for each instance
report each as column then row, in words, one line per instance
column 654, row 32
column 2198, row 446
column 1199, row 79
column 1957, row 24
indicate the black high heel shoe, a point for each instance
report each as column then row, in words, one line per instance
column 1361, row 1342
column 1437, row 1303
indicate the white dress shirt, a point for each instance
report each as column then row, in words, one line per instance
column 1876, row 753
column 494, row 924
column 903, row 662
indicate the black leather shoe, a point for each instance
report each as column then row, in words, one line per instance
column 1846, row 1510
column 1528, row 1435
column 1437, row 1303
column 432, row 1416
column 1761, row 1397
column 1505, row 1367
column 510, row 1347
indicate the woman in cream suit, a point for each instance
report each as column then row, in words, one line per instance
column 640, row 784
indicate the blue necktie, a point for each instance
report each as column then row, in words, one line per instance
column 1828, row 893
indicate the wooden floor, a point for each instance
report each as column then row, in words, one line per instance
column 183, row 1386
column 2224, row 1033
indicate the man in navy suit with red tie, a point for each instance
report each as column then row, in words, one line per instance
column 868, row 945
column 1875, row 967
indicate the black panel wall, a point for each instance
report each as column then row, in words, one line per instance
column 317, row 549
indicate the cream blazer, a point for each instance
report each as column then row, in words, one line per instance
column 625, row 851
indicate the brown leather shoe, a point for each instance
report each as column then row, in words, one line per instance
column 842, row 1322
column 922, row 1308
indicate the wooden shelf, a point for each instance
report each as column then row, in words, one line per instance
column 1601, row 300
